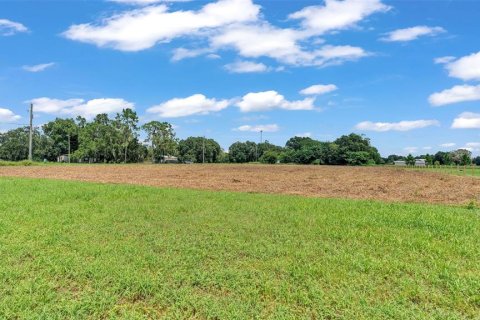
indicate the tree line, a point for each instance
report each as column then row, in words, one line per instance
column 118, row 140
column 461, row 157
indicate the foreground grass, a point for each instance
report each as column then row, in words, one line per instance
column 78, row 250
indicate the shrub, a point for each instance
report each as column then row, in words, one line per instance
column 16, row 163
column 270, row 157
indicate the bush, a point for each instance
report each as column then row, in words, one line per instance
column 25, row 163
column 270, row 157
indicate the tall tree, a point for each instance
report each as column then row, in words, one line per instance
column 161, row 135
column 356, row 143
column 64, row 135
column 127, row 123
column 192, row 149
column 241, row 152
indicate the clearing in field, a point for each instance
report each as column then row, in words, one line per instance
column 95, row 251
column 379, row 183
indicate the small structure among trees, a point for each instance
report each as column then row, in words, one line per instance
column 169, row 159
column 420, row 163
column 63, row 158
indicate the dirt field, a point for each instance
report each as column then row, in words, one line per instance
column 320, row 181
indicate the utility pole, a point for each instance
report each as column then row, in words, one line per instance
column 30, row 136
column 203, row 150
column 69, row 148
column 261, row 136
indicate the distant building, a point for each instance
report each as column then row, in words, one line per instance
column 63, row 158
column 169, row 159
column 420, row 163
column 400, row 163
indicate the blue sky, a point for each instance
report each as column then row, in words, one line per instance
column 405, row 73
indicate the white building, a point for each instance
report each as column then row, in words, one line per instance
column 420, row 163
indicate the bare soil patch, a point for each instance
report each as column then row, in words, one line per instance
column 379, row 183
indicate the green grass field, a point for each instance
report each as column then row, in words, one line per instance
column 90, row 251
column 471, row 171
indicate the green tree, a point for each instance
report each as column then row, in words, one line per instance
column 127, row 123
column 241, row 152
column 429, row 159
column 358, row 158
column 443, row 158
column 410, row 160
column 14, row 145
column 100, row 141
column 461, row 157
column 161, row 135
column 63, row 134
column 355, row 143
column 269, row 157
column 267, row 146
column 191, row 149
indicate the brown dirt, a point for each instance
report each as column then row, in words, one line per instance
column 380, row 183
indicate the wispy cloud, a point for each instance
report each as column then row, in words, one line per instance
column 258, row 128
column 8, row 27
column 246, row 67
column 413, row 33
column 395, row 126
column 319, row 89
column 38, row 67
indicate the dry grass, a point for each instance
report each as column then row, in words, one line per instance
column 379, row 183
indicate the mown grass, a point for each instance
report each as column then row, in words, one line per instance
column 91, row 251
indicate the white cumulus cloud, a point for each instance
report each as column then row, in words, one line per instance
column 236, row 25
column 337, row 15
column 142, row 28
column 268, row 100
column 79, row 107
column 258, row 128
column 460, row 93
column 38, row 67
column 182, row 107
column 467, row 120
column 319, row 89
column 395, row 126
column 413, row 33
column 7, row 115
column 8, row 27
column 465, row 68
